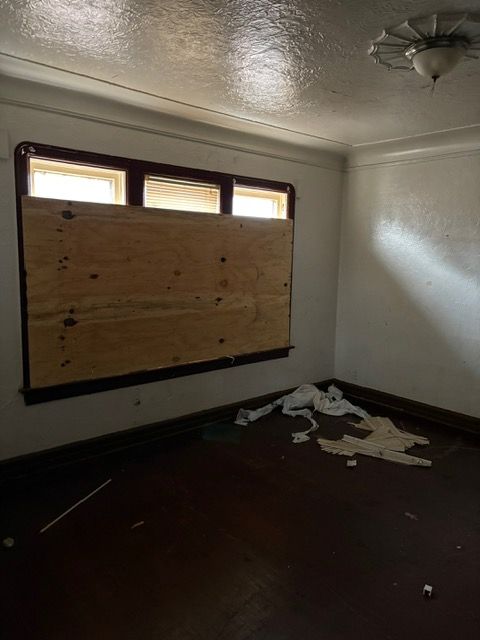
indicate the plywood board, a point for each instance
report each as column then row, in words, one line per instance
column 114, row 289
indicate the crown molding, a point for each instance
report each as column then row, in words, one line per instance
column 30, row 85
column 452, row 143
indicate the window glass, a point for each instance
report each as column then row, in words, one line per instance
column 182, row 195
column 259, row 203
column 68, row 181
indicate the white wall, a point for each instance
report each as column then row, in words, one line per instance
column 408, row 318
column 78, row 124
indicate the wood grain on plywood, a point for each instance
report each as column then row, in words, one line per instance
column 115, row 289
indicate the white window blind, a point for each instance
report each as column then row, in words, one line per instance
column 168, row 193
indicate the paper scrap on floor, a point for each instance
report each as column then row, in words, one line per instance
column 298, row 403
column 384, row 441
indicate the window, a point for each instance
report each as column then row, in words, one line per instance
column 63, row 180
column 53, row 172
column 259, row 203
column 168, row 193
column 68, row 174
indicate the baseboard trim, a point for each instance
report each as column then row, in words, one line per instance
column 410, row 407
column 40, row 462
column 34, row 464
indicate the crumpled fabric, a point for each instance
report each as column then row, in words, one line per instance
column 299, row 403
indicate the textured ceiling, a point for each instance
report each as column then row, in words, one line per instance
column 296, row 64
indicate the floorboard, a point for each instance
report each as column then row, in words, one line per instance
column 247, row 536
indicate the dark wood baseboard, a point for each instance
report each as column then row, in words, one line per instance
column 43, row 461
column 410, row 407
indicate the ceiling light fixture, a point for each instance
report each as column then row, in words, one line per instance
column 433, row 45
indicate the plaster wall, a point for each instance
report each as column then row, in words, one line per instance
column 408, row 319
column 27, row 429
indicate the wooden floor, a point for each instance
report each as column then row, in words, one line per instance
column 246, row 535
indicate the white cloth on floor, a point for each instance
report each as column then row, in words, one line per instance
column 300, row 402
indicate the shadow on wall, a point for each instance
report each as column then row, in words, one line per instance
column 409, row 309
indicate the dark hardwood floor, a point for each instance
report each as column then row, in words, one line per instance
column 247, row 536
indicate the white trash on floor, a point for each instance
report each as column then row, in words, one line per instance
column 300, row 403
column 349, row 446
column 384, row 441
column 384, row 432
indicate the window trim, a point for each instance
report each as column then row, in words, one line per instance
column 136, row 171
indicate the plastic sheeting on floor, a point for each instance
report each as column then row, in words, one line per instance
column 300, row 403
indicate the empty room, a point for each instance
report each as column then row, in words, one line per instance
column 240, row 319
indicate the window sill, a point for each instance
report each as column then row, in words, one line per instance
column 84, row 387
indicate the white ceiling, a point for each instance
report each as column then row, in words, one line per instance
column 299, row 65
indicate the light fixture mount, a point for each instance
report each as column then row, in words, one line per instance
column 433, row 45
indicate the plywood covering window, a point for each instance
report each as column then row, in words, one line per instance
column 126, row 277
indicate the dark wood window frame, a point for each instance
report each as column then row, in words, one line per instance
column 136, row 172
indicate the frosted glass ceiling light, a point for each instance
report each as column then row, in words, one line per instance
column 433, row 46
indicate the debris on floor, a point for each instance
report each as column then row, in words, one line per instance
column 62, row 515
column 137, row 524
column 300, row 403
column 301, row 436
column 351, row 463
column 385, row 441
column 349, row 446
column 412, row 516
column 385, row 433
column 8, row 542
column 427, row 590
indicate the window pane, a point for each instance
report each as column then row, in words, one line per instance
column 166, row 193
column 66, row 181
column 259, row 203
